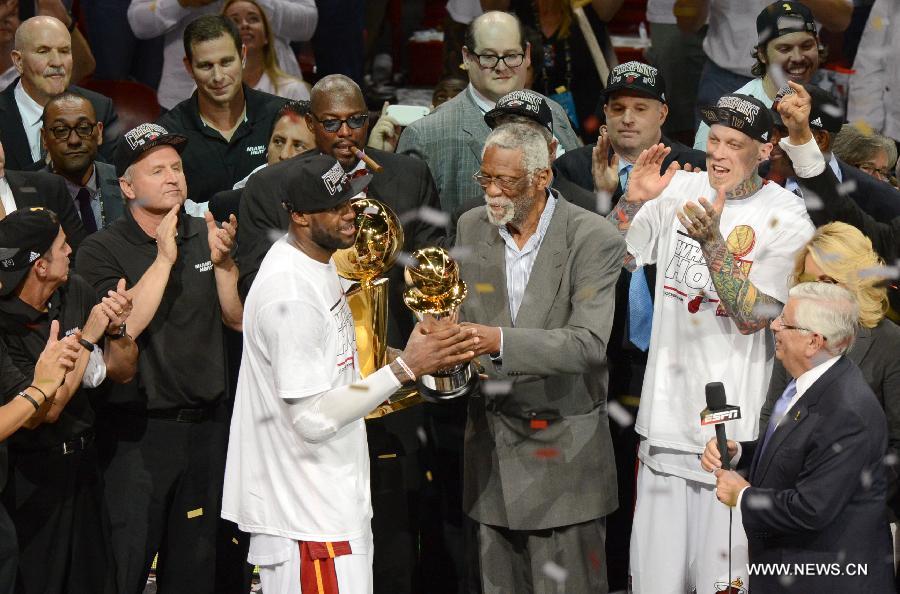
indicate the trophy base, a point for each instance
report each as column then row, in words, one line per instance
column 441, row 387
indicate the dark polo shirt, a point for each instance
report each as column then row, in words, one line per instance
column 24, row 331
column 212, row 164
column 182, row 357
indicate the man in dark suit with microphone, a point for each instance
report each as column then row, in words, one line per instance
column 813, row 508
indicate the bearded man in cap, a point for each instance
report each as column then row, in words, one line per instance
column 163, row 436
column 723, row 268
column 56, row 494
column 297, row 477
column 788, row 49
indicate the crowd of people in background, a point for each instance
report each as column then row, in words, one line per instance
column 181, row 397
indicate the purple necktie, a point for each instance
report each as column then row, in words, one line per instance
column 87, row 213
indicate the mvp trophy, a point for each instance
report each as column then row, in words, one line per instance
column 379, row 238
column 435, row 290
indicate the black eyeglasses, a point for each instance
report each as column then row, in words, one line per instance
column 353, row 122
column 491, row 60
column 82, row 129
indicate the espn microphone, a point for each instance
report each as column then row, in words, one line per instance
column 716, row 413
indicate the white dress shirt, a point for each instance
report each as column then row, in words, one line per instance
column 6, row 195
column 31, row 114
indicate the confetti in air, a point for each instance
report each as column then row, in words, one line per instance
column 619, row 414
column 555, row 572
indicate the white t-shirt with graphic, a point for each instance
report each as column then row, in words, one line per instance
column 299, row 341
column 694, row 341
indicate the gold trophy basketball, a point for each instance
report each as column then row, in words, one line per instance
column 379, row 239
column 435, row 290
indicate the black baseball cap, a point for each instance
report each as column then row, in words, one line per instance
column 319, row 183
column 636, row 76
column 25, row 235
column 781, row 18
column 824, row 111
column 141, row 139
column 523, row 103
column 743, row 113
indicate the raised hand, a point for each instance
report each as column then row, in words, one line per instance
column 165, row 236
column 604, row 170
column 57, row 359
column 701, row 221
column 794, row 110
column 645, row 182
column 221, row 241
column 96, row 324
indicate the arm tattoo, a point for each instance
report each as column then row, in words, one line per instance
column 622, row 215
column 740, row 297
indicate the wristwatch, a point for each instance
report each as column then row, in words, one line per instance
column 120, row 334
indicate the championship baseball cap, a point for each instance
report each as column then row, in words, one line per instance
column 319, row 183
column 523, row 103
column 781, row 18
column 25, row 235
column 141, row 139
column 741, row 112
column 824, row 111
column 636, row 76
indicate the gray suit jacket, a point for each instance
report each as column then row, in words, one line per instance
column 450, row 140
column 539, row 455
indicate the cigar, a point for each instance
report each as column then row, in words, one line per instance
column 370, row 163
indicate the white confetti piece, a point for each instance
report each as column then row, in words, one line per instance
column 619, row 414
column 555, row 572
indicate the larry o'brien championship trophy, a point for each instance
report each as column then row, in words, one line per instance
column 436, row 290
column 379, row 239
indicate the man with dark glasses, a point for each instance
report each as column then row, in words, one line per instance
column 71, row 135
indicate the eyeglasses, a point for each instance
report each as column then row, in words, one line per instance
column 353, row 122
column 780, row 320
column 503, row 182
column 82, row 129
column 491, row 60
column 882, row 174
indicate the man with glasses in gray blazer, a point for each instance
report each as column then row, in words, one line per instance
column 450, row 138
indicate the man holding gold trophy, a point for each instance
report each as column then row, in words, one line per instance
column 297, row 474
column 539, row 474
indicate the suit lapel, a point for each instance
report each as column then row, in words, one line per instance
column 793, row 418
column 24, row 196
column 14, row 137
column 493, row 265
column 473, row 125
column 546, row 274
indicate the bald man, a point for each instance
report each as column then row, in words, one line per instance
column 450, row 138
column 43, row 59
column 338, row 119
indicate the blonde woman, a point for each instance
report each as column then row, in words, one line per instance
column 841, row 254
column 261, row 69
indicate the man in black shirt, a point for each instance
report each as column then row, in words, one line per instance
column 163, row 436
column 54, row 496
column 227, row 122
column 24, row 399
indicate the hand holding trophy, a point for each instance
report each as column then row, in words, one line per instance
column 435, row 293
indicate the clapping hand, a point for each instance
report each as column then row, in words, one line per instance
column 221, row 240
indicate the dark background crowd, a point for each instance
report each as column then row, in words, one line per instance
column 112, row 485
